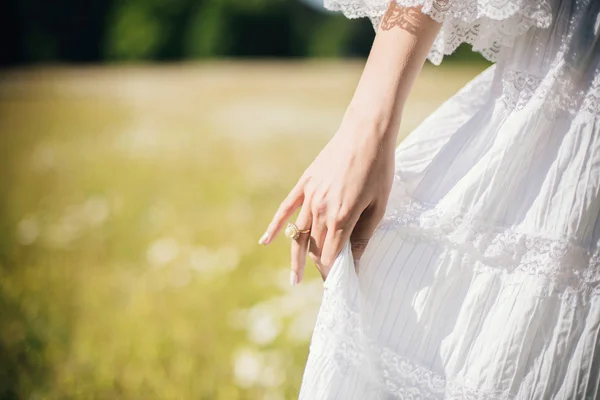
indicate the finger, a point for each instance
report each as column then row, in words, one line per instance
column 338, row 233
column 317, row 238
column 300, row 245
column 284, row 212
column 363, row 231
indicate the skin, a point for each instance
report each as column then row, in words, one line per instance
column 342, row 195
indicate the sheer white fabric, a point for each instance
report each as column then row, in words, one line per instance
column 483, row 279
column 488, row 25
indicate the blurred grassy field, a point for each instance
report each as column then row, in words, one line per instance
column 130, row 206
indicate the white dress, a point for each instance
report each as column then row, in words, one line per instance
column 483, row 279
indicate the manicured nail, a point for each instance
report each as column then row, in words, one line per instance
column 263, row 239
column 293, row 278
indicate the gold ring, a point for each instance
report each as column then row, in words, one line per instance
column 293, row 232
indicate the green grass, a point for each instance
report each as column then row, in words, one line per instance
column 130, row 206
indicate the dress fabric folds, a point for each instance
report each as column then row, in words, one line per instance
column 483, row 279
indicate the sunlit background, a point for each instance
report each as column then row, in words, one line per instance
column 144, row 146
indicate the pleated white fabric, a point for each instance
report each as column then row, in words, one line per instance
column 483, row 279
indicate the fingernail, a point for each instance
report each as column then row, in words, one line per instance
column 293, row 278
column 263, row 238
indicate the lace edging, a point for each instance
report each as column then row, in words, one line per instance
column 397, row 375
column 568, row 265
column 559, row 93
column 488, row 25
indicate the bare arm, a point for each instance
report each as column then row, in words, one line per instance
column 344, row 192
column 398, row 53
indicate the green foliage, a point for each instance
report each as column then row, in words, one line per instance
column 156, row 30
column 136, row 32
column 329, row 38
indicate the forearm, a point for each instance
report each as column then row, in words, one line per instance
column 397, row 56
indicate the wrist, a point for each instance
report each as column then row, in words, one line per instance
column 373, row 123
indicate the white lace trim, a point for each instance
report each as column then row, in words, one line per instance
column 558, row 93
column 488, row 25
column 568, row 267
column 387, row 370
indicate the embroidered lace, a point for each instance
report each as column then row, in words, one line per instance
column 388, row 371
column 488, row 25
column 568, row 266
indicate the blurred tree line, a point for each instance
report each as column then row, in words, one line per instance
column 97, row 30
column 33, row 31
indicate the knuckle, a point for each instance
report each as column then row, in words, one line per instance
column 333, row 224
column 319, row 206
column 305, row 179
column 342, row 217
column 309, row 189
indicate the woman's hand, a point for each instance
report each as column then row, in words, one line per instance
column 342, row 195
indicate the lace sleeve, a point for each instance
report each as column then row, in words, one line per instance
column 488, row 25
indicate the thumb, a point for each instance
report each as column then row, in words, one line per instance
column 364, row 228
